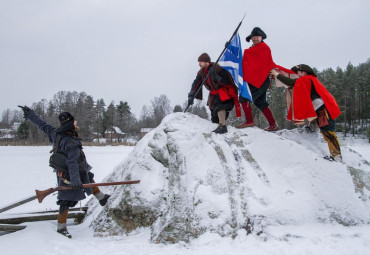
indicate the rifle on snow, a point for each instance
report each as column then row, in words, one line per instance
column 40, row 195
column 226, row 45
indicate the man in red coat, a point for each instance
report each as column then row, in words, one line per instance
column 312, row 101
column 257, row 63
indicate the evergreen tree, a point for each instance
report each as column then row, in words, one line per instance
column 125, row 119
column 99, row 125
column 177, row 108
column 23, row 131
column 110, row 116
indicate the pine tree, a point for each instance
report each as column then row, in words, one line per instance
column 99, row 117
column 23, row 131
column 177, row 108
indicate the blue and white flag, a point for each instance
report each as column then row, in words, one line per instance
column 232, row 62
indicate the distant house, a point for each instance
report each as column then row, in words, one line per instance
column 114, row 134
column 96, row 135
column 144, row 131
column 15, row 126
column 7, row 134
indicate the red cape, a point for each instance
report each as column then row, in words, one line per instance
column 301, row 107
column 226, row 93
column 257, row 64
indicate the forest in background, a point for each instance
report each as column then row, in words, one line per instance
column 350, row 87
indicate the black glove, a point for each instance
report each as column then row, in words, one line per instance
column 77, row 185
column 190, row 100
column 26, row 110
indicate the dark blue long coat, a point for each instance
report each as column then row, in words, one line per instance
column 72, row 147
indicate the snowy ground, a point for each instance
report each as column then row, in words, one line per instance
column 24, row 169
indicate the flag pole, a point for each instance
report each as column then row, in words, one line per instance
column 223, row 51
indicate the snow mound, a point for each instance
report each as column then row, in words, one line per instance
column 194, row 181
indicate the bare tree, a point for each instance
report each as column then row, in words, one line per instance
column 161, row 107
column 99, row 117
column 59, row 101
column 6, row 116
column 146, row 118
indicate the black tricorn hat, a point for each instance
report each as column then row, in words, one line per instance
column 304, row 68
column 66, row 121
column 256, row 32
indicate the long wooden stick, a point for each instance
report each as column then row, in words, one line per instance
column 21, row 202
column 41, row 194
column 78, row 215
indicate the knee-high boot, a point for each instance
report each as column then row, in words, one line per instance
column 270, row 118
column 247, row 108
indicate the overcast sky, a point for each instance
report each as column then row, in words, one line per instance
column 139, row 49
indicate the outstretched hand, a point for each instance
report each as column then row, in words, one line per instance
column 26, row 110
column 274, row 73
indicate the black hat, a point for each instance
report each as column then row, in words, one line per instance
column 256, row 32
column 66, row 121
column 204, row 57
column 303, row 68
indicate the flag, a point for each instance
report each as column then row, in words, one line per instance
column 232, row 62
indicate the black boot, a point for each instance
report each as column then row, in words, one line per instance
column 330, row 158
column 103, row 201
column 337, row 158
column 64, row 232
column 220, row 129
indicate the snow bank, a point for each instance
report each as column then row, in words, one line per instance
column 194, row 181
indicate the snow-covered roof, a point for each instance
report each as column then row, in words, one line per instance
column 16, row 125
column 6, row 133
column 117, row 130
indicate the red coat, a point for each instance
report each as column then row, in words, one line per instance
column 257, row 64
column 301, row 107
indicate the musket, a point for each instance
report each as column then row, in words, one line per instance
column 41, row 194
column 223, row 51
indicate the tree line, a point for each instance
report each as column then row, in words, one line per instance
column 94, row 116
column 350, row 87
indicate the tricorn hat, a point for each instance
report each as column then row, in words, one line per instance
column 256, row 32
column 204, row 57
column 304, row 68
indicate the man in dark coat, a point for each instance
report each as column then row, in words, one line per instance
column 65, row 140
column 223, row 93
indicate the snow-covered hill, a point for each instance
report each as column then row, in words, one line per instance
column 194, row 181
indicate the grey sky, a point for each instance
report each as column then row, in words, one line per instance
column 136, row 50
